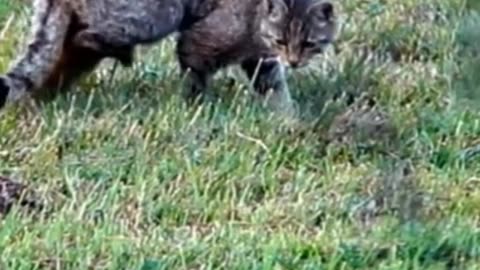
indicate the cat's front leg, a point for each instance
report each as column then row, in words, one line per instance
column 269, row 81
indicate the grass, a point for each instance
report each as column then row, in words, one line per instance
column 134, row 179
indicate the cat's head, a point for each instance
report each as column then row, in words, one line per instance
column 297, row 30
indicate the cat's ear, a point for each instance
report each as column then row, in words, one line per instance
column 275, row 8
column 323, row 9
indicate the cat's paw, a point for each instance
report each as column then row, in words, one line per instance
column 4, row 91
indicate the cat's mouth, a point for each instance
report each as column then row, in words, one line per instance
column 296, row 65
column 293, row 63
column 285, row 62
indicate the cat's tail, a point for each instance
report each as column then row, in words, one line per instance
column 32, row 68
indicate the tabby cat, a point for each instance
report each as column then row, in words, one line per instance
column 69, row 38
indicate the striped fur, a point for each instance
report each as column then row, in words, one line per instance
column 69, row 38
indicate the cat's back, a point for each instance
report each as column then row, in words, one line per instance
column 230, row 22
column 99, row 10
column 227, row 35
column 236, row 9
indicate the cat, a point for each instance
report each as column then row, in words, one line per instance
column 60, row 47
column 69, row 38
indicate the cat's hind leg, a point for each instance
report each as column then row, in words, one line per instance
column 34, row 66
column 73, row 63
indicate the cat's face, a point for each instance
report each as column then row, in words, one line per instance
column 297, row 30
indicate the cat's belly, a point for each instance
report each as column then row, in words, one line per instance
column 227, row 47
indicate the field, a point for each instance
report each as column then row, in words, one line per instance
column 130, row 177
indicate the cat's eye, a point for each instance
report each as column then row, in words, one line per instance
column 308, row 44
column 324, row 41
column 281, row 42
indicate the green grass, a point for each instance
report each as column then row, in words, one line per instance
column 135, row 179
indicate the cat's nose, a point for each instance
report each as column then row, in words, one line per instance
column 294, row 62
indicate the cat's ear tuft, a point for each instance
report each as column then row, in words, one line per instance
column 327, row 10
column 275, row 7
column 323, row 9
